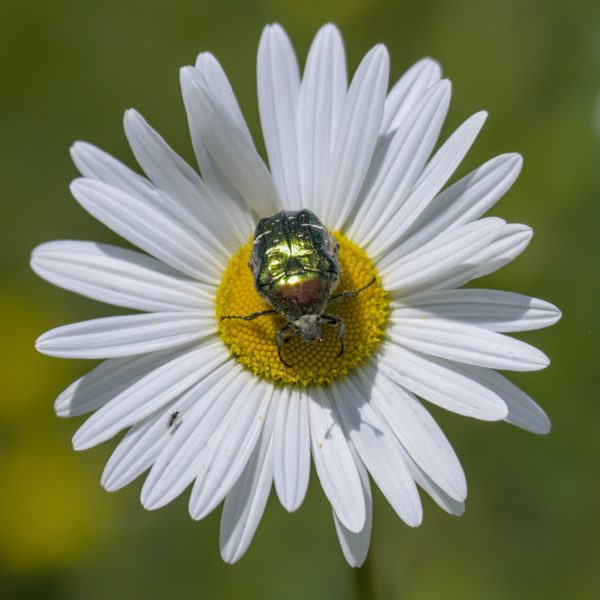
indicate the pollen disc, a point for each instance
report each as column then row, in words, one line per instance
column 253, row 342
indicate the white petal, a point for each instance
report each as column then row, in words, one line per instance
column 232, row 152
column 416, row 430
column 194, row 201
column 222, row 460
column 510, row 241
column 356, row 137
column 439, row 496
column 278, row 90
column 142, row 444
column 466, row 344
column 94, row 163
column 440, row 383
column 397, row 164
column 134, row 454
column 126, row 335
column 230, row 202
column 291, row 448
column 322, row 94
column 427, row 265
column 177, row 465
column 334, row 462
column 408, row 90
column 149, row 226
column 216, row 80
column 149, row 393
column 464, row 201
column 245, row 503
column 523, row 412
column 378, row 449
column 355, row 546
column 435, row 175
column 182, row 186
column 491, row 309
column 118, row 276
column 106, row 381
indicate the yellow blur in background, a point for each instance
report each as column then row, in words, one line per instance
column 47, row 515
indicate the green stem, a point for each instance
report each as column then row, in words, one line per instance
column 365, row 582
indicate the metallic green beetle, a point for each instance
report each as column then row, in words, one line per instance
column 295, row 266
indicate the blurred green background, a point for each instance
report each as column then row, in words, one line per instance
column 69, row 69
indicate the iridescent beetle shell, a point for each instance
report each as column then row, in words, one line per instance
column 295, row 266
column 294, row 262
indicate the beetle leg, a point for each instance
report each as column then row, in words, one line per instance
column 350, row 293
column 251, row 316
column 335, row 320
column 284, row 335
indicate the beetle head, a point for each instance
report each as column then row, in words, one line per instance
column 308, row 326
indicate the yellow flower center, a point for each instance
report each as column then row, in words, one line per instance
column 253, row 342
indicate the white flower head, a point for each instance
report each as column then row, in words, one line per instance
column 213, row 403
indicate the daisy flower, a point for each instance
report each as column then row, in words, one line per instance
column 214, row 403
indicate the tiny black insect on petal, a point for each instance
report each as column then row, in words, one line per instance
column 174, row 420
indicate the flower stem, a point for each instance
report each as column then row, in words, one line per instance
column 365, row 582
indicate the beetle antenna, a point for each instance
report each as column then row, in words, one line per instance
column 351, row 293
column 251, row 316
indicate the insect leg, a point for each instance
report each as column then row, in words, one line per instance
column 284, row 335
column 280, row 341
column 334, row 320
column 350, row 293
column 251, row 316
